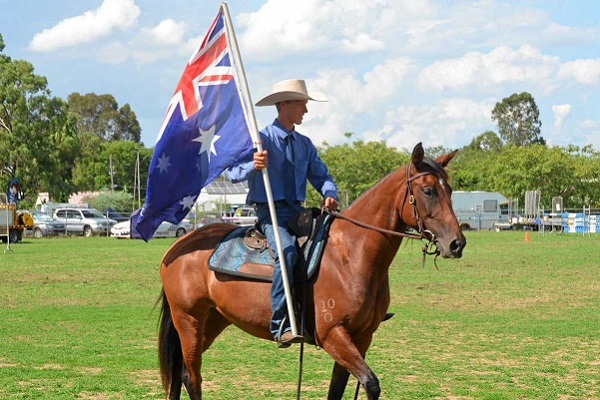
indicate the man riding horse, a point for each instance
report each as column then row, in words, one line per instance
column 292, row 159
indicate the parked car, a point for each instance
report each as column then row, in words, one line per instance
column 122, row 230
column 114, row 214
column 242, row 216
column 45, row 225
column 84, row 221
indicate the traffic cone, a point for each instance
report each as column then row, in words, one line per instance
column 526, row 236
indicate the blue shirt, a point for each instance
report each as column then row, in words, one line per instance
column 307, row 166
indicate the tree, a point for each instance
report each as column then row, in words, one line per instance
column 357, row 167
column 101, row 116
column 38, row 140
column 118, row 200
column 93, row 173
column 487, row 141
column 518, row 120
column 536, row 167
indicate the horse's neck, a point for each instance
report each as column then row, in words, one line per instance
column 379, row 207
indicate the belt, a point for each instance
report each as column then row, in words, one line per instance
column 277, row 203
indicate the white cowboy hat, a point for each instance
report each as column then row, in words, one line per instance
column 291, row 89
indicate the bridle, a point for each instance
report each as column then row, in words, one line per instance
column 427, row 237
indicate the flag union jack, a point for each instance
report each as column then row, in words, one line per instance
column 204, row 131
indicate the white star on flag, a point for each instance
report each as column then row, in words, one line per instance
column 207, row 141
column 188, row 202
column 163, row 163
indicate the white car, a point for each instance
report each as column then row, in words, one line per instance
column 166, row 229
column 242, row 216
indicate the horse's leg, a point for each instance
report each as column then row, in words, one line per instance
column 215, row 324
column 349, row 355
column 339, row 380
column 169, row 351
column 191, row 331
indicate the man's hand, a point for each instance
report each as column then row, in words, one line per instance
column 260, row 160
column 329, row 203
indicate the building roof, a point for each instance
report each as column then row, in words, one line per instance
column 226, row 187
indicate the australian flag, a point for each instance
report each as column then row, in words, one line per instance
column 203, row 133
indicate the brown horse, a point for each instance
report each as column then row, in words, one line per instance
column 350, row 294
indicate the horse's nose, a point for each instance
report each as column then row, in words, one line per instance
column 457, row 246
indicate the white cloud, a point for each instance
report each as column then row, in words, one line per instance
column 281, row 27
column 163, row 41
column 352, row 97
column 591, row 132
column 113, row 53
column 379, row 84
column 590, row 124
column 168, row 32
column 87, row 27
column 585, row 72
column 441, row 124
column 361, row 43
column 503, row 64
column 560, row 112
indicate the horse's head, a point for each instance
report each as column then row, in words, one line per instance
column 429, row 207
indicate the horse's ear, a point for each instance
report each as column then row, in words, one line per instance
column 446, row 158
column 417, row 155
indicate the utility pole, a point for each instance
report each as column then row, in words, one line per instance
column 137, row 172
column 111, row 172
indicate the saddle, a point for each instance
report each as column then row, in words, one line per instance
column 245, row 251
column 302, row 225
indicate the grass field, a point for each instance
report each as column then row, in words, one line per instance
column 510, row 320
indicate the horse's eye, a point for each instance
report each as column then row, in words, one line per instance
column 428, row 191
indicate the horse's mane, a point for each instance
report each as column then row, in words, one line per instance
column 428, row 164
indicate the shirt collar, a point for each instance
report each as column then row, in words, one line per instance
column 282, row 128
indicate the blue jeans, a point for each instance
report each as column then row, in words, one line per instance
column 288, row 241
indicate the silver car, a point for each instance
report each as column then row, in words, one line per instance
column 84, row 221
column 45, row 225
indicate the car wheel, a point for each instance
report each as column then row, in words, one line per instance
column 87, row 231
column 180, row 232
column 37, row 233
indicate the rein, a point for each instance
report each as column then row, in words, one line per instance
column 426, row 236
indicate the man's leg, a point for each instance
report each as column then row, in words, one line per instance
column 288, row 242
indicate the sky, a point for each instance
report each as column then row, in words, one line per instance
column 403, row 71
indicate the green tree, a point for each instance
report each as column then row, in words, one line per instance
column 101, row 116
column 518, row 169
column 518, row 119
column 93, row 173
column 357, row 167
column 118, row 200
column 470, row 170
column 487, row 141
column 38, row 140
column 586, row 171
column 436, row 151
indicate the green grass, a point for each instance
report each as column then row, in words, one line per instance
column 510, row 320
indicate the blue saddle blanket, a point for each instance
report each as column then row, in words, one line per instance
column 233, row 257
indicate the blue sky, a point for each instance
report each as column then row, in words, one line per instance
column 400, row 70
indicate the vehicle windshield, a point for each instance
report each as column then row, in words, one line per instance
column 92, row 214
column 42, row 217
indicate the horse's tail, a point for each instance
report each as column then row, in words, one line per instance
column 170, row 355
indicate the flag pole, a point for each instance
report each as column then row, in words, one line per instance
column 251, row 118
